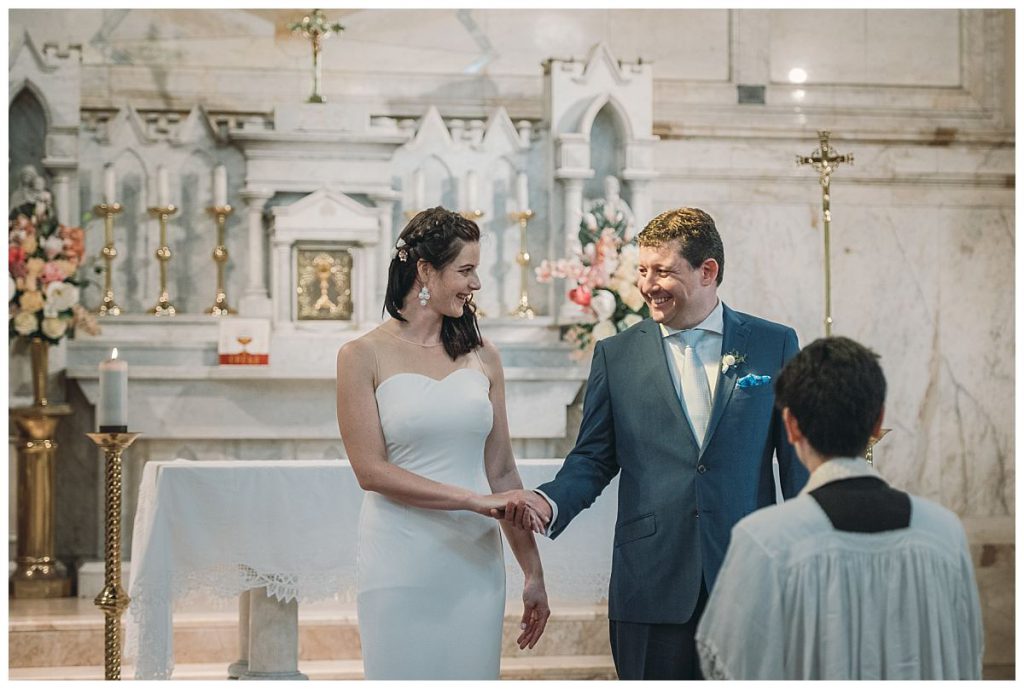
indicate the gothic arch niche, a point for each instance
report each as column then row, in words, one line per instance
column 499, row 241
column 130, row 281
column 608, row 135
column 442, row 188
column 26, row 135
column 191, row 234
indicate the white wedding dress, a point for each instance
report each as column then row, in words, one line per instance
column 431, row 583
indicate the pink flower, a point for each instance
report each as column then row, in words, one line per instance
column 74, row 242
column 580, row 295
column 52, row 273
column 16, row 257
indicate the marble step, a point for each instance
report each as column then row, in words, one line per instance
column 576, row 667
column 69, row 633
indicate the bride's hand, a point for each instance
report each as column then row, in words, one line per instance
column 535, row 612
column 489, row 505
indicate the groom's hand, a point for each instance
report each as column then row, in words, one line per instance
column 527, row 510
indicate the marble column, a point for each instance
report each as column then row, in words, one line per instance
column 572, row 211
column 62, row 198
column 255, row 301
column 640, row 199
column 386, row 208
column 273, row 638
column 241, row 666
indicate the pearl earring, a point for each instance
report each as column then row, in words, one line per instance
column 424, row 295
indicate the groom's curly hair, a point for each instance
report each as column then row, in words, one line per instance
column 698, row 237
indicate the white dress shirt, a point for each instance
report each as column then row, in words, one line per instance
column 708, row 348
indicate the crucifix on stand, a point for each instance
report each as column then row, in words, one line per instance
column 315, row 27
column 825, row 160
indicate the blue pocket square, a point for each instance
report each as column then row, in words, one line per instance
column 752, row 381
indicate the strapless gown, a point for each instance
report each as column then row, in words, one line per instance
column 431, row 583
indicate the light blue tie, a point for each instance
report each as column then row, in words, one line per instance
column 694, row 381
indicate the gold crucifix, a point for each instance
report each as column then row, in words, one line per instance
column 315, row 27
column 825, row 160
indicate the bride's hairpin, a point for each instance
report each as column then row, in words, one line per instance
column 403, row 253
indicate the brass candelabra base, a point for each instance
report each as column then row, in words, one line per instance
column 113, row 600
column 38, row 573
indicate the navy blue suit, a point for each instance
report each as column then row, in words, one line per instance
column 677, row 502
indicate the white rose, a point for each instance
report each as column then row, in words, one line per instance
column 727, row 361
column 602, row 330
column 54, row 328
column 632, row 297
column 591, row 221
column 12, row 287
column 603, row 304
column 62, row 295
column 25, row 323
column 53, row 246
column 631, row 319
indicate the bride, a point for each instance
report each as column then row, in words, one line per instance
column 421, row 409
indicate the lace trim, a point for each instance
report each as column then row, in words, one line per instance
column 148, row 631
column 711, row 664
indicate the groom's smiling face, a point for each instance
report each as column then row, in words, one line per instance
column 677, row 294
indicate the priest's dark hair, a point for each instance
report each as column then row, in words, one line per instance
column 836, row 390
column 435, row 235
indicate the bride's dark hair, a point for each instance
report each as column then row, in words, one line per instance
column 435, row 235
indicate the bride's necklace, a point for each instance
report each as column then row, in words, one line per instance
column 418, row 344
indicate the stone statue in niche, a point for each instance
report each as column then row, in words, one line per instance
column 30, row 184
column 613, row 208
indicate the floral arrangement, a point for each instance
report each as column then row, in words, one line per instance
column 603, row 278
column 43, row 259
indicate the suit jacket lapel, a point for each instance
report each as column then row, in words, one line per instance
column 734, row 339
column 654, row 352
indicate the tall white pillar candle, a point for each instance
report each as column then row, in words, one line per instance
column 109, row 184
column 220, row 186
column 471, row 190
column 163, row 187
column 522, row 192
column 419, row 190
column 112, row 412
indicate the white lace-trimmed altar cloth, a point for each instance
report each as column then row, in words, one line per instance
column 224, row 527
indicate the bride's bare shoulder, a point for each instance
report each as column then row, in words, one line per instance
column 360, row 351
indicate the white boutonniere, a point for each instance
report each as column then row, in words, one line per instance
column 732, row 359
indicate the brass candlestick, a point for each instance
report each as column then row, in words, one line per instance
column 38, row 574
column 473, row 215
column 220, row 256
column 825, row 160
column 869, row 454
column 163, row 254
column 113, row 600
column 523, row 310
column 108, row 210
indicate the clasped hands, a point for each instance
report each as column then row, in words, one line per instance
column 524, row 509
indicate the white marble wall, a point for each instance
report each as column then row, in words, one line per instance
column 923, row 230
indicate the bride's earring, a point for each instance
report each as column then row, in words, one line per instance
column 424, row 295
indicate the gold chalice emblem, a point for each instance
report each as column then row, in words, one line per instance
column 243, row 340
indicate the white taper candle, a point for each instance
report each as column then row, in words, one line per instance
column 112, row 411
column 109, row 184
column 220, row 186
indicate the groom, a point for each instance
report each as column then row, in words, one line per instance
column 682, row 405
